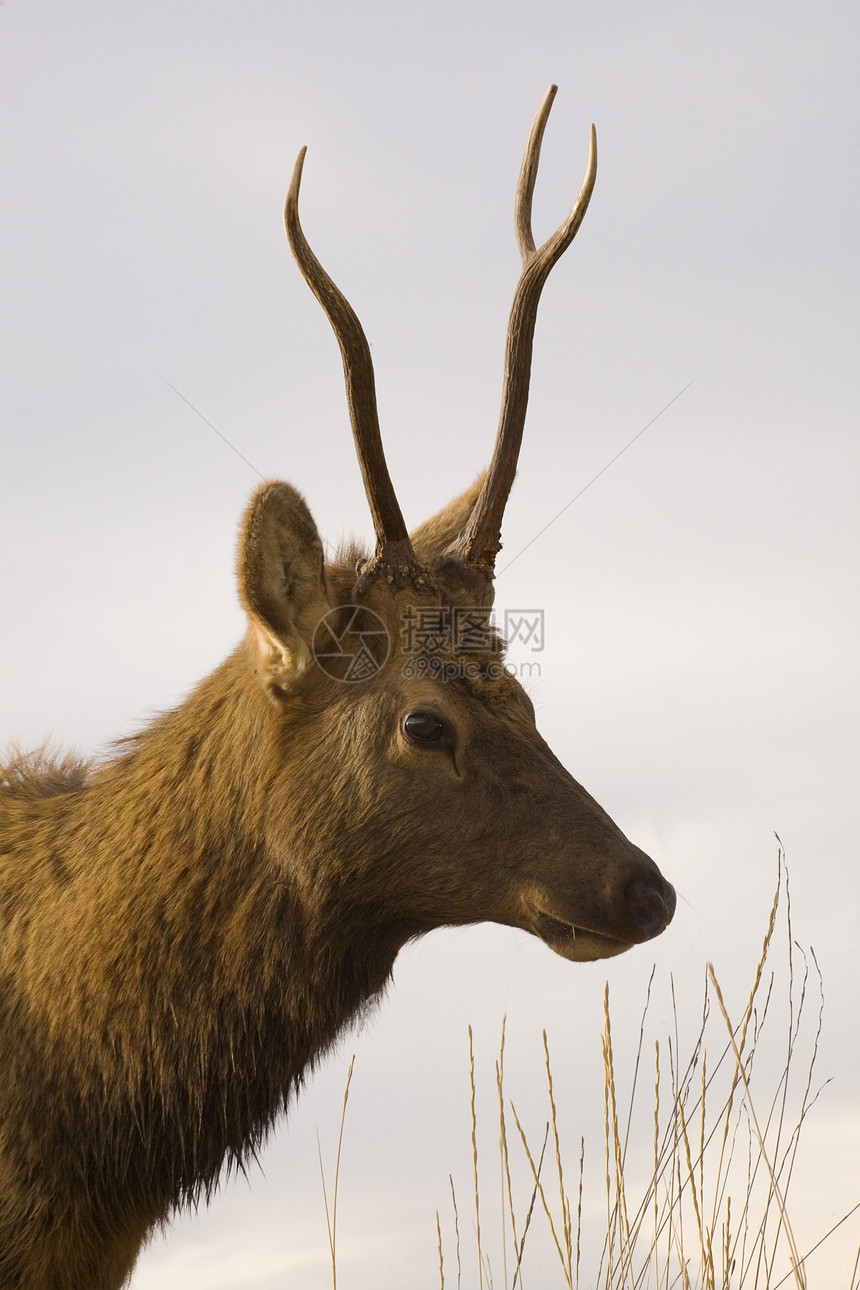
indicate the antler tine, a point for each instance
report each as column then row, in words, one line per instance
column 360, row 391
column 480, row 539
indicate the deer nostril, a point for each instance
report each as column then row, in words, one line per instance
column 650, row 905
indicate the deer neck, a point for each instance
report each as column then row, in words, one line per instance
column 190, row 984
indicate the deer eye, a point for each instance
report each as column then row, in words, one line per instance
column 427, row 730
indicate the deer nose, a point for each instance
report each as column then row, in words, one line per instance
column 651, row 904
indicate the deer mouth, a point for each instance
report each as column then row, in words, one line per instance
column 553, row 930
column 644, row 910
column 580, row 944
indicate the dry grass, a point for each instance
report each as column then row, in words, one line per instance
column 710, row 1211
column 331, row 1213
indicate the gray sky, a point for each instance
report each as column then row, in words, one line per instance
column 701, row 608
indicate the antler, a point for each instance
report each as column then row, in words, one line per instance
column 479, row 541
column 394, row 556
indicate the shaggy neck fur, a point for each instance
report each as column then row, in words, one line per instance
column 171, row 985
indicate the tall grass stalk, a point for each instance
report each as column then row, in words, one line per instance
column 475, row 1163
column 456, row 1231
column 711, row 1211
column 331, row 1219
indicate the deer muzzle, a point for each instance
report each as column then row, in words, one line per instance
column 639, row 912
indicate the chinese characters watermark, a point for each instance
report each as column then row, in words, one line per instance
column 441, row 642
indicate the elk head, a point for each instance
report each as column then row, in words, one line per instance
column 442, row 802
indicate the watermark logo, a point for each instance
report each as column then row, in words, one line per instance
column 461, row 629
column 351, row 643
column 524, row 627
column 442, row 642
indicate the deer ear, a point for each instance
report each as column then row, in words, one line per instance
column 281, row 583
column 434, row 535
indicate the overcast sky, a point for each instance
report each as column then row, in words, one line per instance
column 161, row 353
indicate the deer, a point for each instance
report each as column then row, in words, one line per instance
column 188, row 925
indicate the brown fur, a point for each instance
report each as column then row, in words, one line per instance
column 184, row 929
